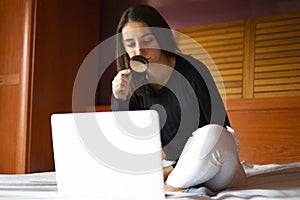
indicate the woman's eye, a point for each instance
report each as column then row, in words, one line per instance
column 147, row 41
column 131, row 45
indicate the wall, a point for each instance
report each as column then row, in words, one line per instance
column 200, row 12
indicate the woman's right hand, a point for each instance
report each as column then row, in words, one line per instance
column 121, row 84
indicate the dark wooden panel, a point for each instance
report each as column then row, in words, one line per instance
column 66, row 31
column 268, row 128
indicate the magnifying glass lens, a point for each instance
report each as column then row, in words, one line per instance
column 138, row 64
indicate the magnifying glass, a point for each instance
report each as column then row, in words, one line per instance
column 139, row 64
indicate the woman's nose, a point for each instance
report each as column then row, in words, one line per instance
column 139, row 50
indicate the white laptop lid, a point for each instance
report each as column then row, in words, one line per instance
column 108, row 155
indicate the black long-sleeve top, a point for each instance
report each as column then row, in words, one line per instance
column 189, row 100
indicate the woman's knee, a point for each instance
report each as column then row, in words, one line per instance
column 196, row 163
column 203, row 156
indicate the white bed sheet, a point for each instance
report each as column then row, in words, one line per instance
column 273, row 181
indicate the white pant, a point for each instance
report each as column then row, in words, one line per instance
column 210, row 157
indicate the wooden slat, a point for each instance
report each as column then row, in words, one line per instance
column 211, row 26
column 289, row 73
column 222, row 48
column 215, row 31
column 212, row 43
column 224, row 60
column 226, row 54
column 218, row 54
column 233, row 90
column 233, row 96
column 228, row 65
column 228, row 72
column 286, row 47
column 210, row 30
column 278, row 17
column 277, row 81
column 265, row 43
column 191, row 46
column 278, row 36
column 288, row 53
column 231, row 84
column 216, row 37
column 232, row 77
column 278, row 22
column 279, row 29
column 277, row 94
column 278, row 61
column 274, row 68
column 280, row 87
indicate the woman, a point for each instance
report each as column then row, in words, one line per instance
column 181, row 89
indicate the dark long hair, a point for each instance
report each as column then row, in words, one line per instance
column 151, row 17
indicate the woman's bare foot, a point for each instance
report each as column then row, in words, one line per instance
column 172, row 189
column 167, row 171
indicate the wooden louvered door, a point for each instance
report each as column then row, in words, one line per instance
column 277, row 56
column 221, row 50
column 255, row 58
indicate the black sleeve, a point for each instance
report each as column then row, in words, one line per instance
column 132, row 103
column 118, row 105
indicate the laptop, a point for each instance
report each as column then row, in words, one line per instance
column 108, row 155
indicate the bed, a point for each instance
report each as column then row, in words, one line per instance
column 270, row 181
column 268, row 129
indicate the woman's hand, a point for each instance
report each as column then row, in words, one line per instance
column 121, row 84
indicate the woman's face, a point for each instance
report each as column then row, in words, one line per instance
column 139, row 40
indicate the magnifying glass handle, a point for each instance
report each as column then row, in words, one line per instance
column 128, row 74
